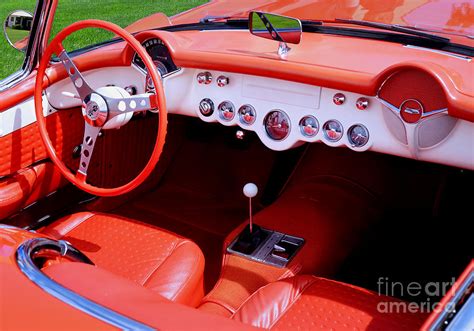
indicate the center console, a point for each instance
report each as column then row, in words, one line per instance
column 266, row 246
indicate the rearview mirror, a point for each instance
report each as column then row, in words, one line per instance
column 279, row 28
column 17, row 28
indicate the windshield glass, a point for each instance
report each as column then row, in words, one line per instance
column 455, row 17
column 120, row 12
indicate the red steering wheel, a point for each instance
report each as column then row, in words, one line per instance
column 104, row 108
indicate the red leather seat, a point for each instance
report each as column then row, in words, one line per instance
column 312, row 303
column 158, row 260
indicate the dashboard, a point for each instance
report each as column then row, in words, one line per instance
column 407, row 117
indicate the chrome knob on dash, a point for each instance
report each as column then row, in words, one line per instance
column 204, row 78
column 222, row 81
column 339, row 99
column 362, row 103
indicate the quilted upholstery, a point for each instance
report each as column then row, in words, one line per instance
column 308, row 302
column 24, row 147
column 154, row 258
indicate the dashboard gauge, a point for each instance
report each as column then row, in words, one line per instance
column 277, row 125
column 226, row 110
column 333, row 130
column 358, row 135
column 247, row 114
column 160, row 55
column 309, row 126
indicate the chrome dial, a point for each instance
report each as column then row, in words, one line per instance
column 309, row 126
column 247, row 114
column 333, row 130
column 358, row 135
column 277, row 125
column 226, row 110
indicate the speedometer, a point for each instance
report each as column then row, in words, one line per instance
column 160, row 55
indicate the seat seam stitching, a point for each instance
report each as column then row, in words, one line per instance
column 294, row 301
column 154, row 269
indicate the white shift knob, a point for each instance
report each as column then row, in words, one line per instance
column 250, row 190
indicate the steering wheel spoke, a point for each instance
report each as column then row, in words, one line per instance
column 83, row 89
column 88, row 143
column 132, row 104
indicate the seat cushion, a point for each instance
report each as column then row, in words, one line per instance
column 152, row 257
column 312, row 303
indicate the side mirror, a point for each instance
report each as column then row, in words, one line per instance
column 279, row 28
column 17, row 28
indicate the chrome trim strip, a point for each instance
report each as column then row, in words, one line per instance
column 434, row 112
column 69, row 297
column 397, row 110
column 32, row 51
column 439, row 323
column 456, row 56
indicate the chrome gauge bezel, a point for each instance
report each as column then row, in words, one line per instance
column 220, row 111
column 241, row 115
column 302, row 128
column 329, row 139
column 349, row 135
column 151, row 42
column 285, row 115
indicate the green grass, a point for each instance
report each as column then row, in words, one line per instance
column 121, row 12
column 16, row 35
column 10, row 58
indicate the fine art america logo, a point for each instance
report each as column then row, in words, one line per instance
column 430, row 292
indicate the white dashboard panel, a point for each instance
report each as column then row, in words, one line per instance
column 387, row 133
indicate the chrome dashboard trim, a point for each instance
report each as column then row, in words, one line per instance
column 397, row 110
column 456, row 56
column 27, row 266
column 34, row 49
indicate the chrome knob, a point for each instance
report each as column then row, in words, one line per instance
column 206, row 107
column 339, row 98
column 362, row 103
column 204, row 78
column 222, row 81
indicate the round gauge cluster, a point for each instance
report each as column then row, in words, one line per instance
column 160, row 55
column 309, row 126
column 226, row 110
column 333, row 130
column 358, row 135
column 247, row 114
column 277, row 125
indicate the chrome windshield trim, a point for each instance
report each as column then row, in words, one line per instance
column 32, row 51
column 27, row 266
column 456, row 56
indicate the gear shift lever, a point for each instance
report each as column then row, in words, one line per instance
column 250, row 191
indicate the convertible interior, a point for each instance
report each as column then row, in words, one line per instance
column 198, row 175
